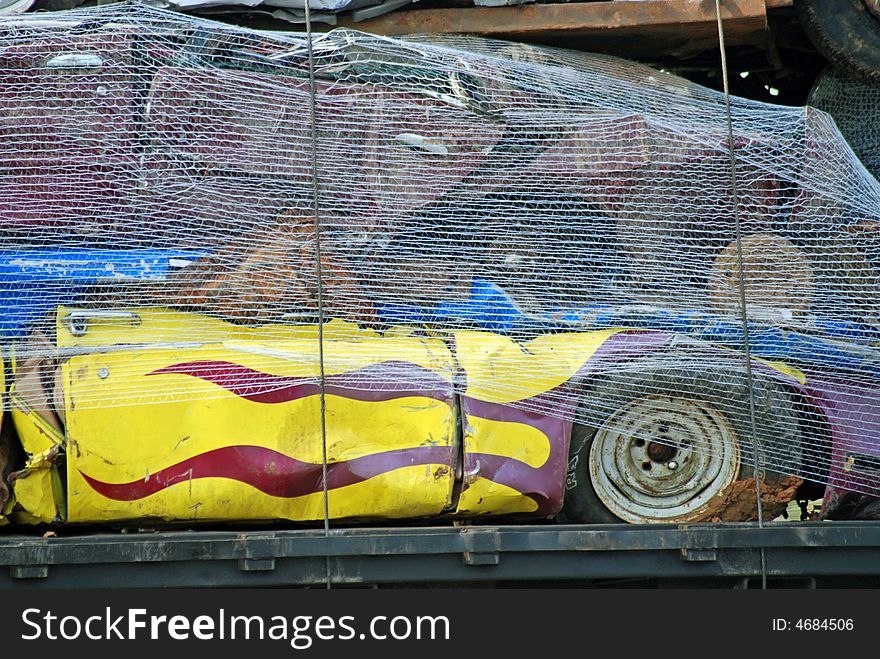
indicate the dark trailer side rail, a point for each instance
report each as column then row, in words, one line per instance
column 799, row 554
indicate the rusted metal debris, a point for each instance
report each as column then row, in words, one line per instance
column 242, row 278
column 682, row 26
column 740, row 503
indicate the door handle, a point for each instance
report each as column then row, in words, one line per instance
column 74, row 61
column 78, row 321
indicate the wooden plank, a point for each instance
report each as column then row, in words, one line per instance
column 681, row 26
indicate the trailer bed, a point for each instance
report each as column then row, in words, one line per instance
column 806, row 554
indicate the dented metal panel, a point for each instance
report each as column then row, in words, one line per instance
column 67, row 111
column 372, row 145
column 435, row 161
column 244, row 442
column 40, row 496
column 516, row 430
column 7, row 453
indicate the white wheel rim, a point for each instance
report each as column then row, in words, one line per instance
column 664, row 458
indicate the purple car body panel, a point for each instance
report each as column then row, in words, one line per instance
column 853, row 423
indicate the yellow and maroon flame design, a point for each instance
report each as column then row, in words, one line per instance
column 271, row 471
column 378, row 382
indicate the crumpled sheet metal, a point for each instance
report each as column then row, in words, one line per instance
column 255, row 451
column 37, row 492
column 462, row 185
column 40, row 496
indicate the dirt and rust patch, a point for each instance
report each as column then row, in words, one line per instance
column 740, row 503
column 268, row 274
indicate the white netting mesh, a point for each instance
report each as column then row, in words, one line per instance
column 157, row 178
column 854, row 105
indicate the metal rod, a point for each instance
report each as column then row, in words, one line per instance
column 313, row 92
column 756, row 454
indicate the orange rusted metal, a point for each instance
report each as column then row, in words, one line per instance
column 677, row 26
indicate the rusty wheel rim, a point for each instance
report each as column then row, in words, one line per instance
column 663, row 459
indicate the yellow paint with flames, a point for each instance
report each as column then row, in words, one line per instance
column 501, row 370
column 127, row 425
column 136, row 438
column 508, row 439
column 517, row 441
column 481, row 496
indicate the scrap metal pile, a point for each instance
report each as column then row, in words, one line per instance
column 178, row 183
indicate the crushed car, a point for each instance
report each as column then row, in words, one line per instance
column 253, row 278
